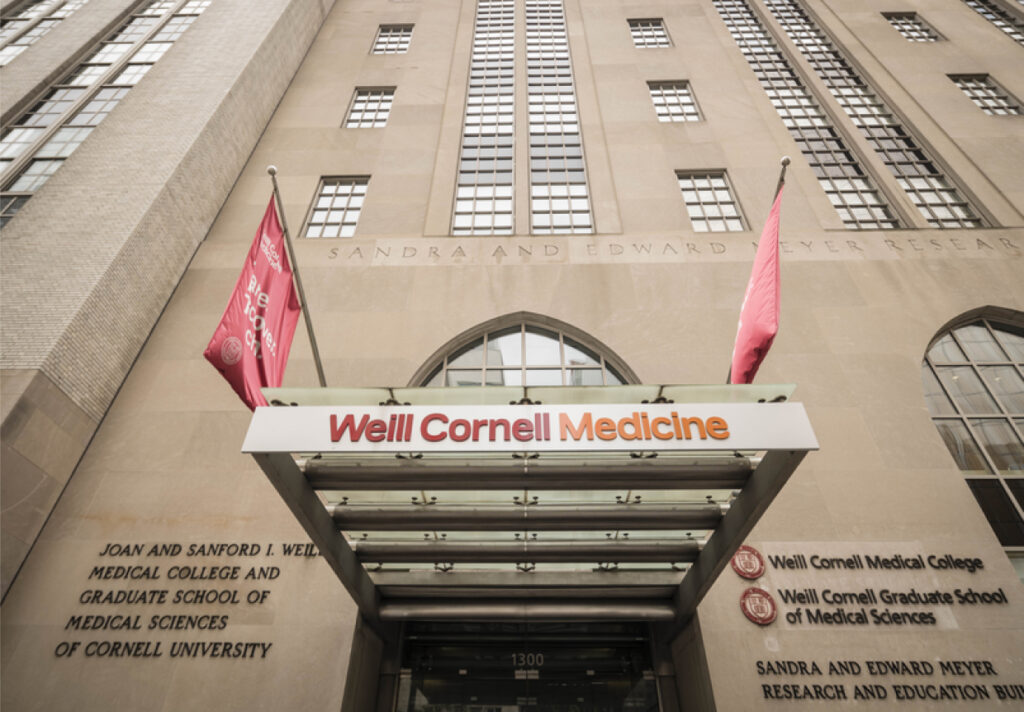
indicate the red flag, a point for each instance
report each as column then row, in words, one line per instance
column 759, row 315
column 251, row 343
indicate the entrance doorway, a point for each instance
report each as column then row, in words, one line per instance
column 527, row 667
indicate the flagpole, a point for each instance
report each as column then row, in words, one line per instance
column 272, row 170
column 778, row 186
column 782, row 177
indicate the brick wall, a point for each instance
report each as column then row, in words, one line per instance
column 92, row 259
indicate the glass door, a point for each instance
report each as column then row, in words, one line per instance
column 536, row 667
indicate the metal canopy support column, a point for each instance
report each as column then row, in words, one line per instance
column 745, row 511
column 307, row 508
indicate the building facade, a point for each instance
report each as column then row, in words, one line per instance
column 518, row 193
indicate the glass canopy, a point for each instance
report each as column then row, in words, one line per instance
column 434, row 527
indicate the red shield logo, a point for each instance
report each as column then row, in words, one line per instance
column 747, row 562
column 758, row 605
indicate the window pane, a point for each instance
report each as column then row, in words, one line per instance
column 1000, row 442
column 505, row 350
column 961, row 446
column 542, row 349
column 471, row 357
column 979, row 344
column 86, row 75
column 966, row 389
column 505, row 377
column 1001, row 515
column 543, row 376
column 1013, row 343
column 64, row 142
column 945, row 350
column 1017, row 560
column 1017, row 489
column 131, row 74
column 16, row 140
column 463, row 378
column 1007, row 385
column 586, row 377
column 37, row 173
column 576, row 355
column 934, row 397
column 495, row 378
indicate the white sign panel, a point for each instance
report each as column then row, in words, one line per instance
column 533, row 428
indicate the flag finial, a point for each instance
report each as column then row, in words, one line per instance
column 272, row 170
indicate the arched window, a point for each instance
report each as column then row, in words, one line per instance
column 524, row 350
column 973, row 376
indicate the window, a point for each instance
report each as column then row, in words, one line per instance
column 673, row 101
column 392, row 39
column 999, row 17
column 31, row 23
column 912, row 27
column 710, row 203
column 336, row 207
column 989, row 96
column 64, row 142
column 174, row 28
column 649, row 33
column 16, row 140
column 36, row 145
column 860, row 205
column 51, row 107
column 9, row 206
column 934, row 195
column 102, row 103
column 483, row 197
column 370, row 108
column 559, row 198
column 35, row 174
column 518, row 351
column 973, row 377
column 136, row 29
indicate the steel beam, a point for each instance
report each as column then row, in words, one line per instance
column 744, row 512
column 516, row 610
column 525, row 591
column 307, row 508
column 566, row 585
column 437, row 517
column 611, row 551
column 715, row 472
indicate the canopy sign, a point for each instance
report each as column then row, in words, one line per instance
column 537, row 428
